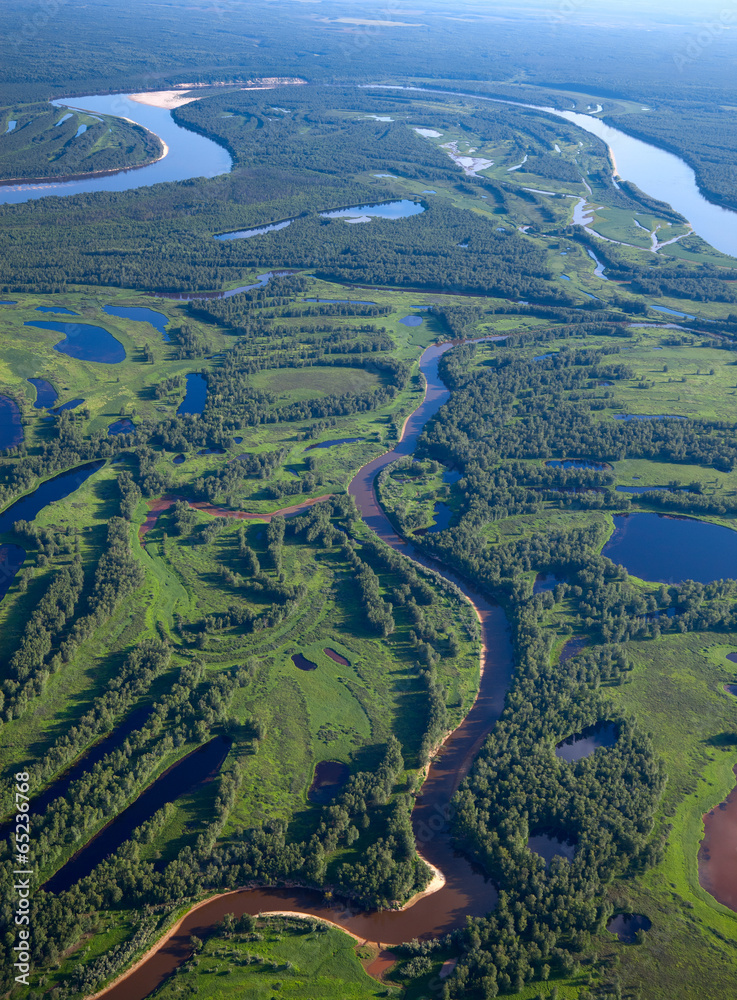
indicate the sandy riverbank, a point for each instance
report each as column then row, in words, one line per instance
column 168, row 99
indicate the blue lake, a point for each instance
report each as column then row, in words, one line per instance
column 246, row 234
column 59, row 310
column 196, row 395
column 46, row 394
column 263, row 279
column 412, row 321
column 57, row 488
column 11, row 126
column 140, row 315
column 672, row 549
column 8, row 302
column 388, row 210
column 85, row 342
column 11, row 427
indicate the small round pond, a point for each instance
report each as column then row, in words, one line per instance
column 548, row 846
column 301, row 661
column 626, row 926
column 669, row 549
column 123, row 426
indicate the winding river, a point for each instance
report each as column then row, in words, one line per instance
column 655, row 171
column 187, row 154
column 464, row 890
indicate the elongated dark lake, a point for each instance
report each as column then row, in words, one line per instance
column 196, row 395
column 46, row 394
column 57, row 488
column 672, row 549
column 11, row 428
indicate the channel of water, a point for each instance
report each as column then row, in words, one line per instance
column 465, row 890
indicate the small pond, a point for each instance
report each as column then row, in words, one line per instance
column 336, row 656
column 46, row 394
column 246, row 234
column 238, row 440
column 179, row 459
column 442, row 514
column 542, row 357
column 11, row 560
column 411, row 321
column 57, row 488
column 387, row 210
column 85, row 342
column 303, row 663
column 626, row 926
column 71, row 404
column 573, row 647
column 649, row 489
column 578, row 463
column 195, row 396
column 11, row 426
column 123, row 426
column 140, row 315
column 549, row 847
column 564, row 277
column 8, row 302
column 732, row 657
column 333, row 444
column 545, row 582
column 603, row 734
column 731, row 689
column 59, row 310
column 672, row 549
column 213, row 451
column 451, row 476
column 330, row 777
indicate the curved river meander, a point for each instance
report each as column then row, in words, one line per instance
column 465, row 889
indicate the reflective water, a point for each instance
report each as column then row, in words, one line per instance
column 60, row 310
column 11, row 427
column 263, row 280
column 412, row 321
column 671, row 549
column 549, row 847
column 387, row 210
column 718, row 852
column 196, row 395
column 246, row 234
column 141, row 315
column 603, row 734
column 189, row 154
column 656, row 172
column 85, row 342
column 671, row 312
column 330, row 777
column 57, row 488
column 180, row 779
column 124, row 426
column 647, row 416
column 626, row 926
column 336, row 657
column 301, row 661
column 46, row 394
column 347, row 302
column 71, row 404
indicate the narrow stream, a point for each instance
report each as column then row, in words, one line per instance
column 466, row 891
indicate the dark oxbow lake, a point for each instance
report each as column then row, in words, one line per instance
column 11, row 427
column 669, row 549
column 57, row 488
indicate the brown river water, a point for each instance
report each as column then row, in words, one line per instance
column 465, row 889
